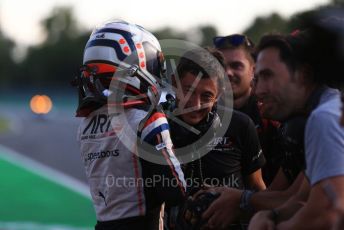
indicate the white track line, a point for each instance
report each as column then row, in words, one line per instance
column 44, row 171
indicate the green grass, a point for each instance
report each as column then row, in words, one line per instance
column 28, row 198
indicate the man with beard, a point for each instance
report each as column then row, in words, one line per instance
column 292, row 81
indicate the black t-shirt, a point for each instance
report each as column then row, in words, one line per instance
column 231, row 156
column 292, row 142
column 292, row 138
column 268, row 132
column 251, row 109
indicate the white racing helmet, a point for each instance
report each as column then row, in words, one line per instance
column 123, row 53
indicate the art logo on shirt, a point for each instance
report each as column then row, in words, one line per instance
column 100, row 125
column 220, row 144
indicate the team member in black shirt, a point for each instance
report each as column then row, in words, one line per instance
column 232, row 158
column 238, row 51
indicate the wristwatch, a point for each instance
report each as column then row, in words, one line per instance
column 245, row 200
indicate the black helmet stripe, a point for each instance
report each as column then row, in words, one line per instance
column 127, row 35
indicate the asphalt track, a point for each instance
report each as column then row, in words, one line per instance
column 50, row 140
column 43, row 186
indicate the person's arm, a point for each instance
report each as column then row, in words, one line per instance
column 337, row 203
column 280, row 182
column 270, row 199
column 252, row 158
column 255, row 181
column 317, row 213
column 267, row 219
column 324, row 159
column 168, row 182
column 225, row 209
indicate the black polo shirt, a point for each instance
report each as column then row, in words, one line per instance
column 230, row 157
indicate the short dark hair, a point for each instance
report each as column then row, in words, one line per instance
column 293, row 48
column 208, row 61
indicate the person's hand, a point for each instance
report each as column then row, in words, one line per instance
column 207, row 188
column 262, row 221
column 224, row 210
